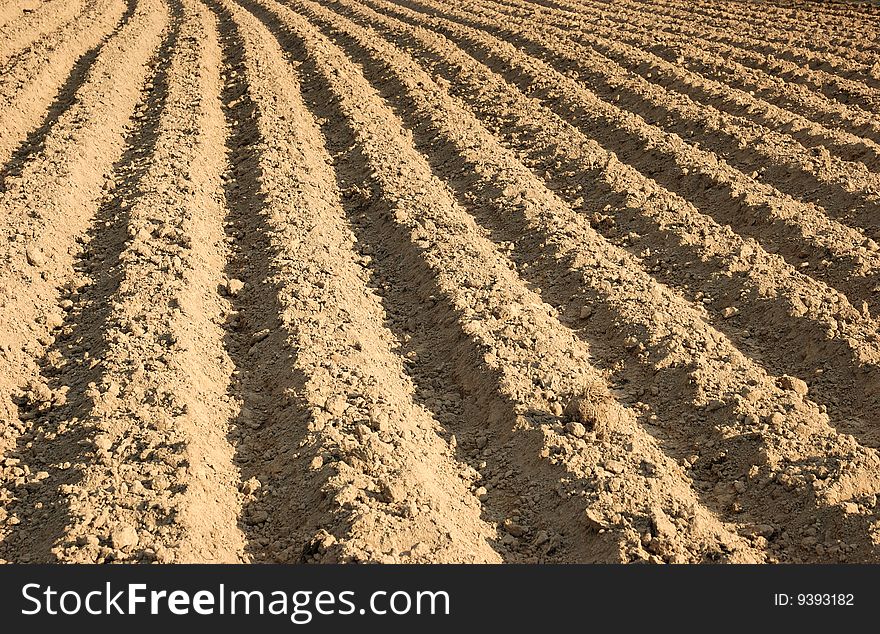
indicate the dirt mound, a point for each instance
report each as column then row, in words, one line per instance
column 423, row 281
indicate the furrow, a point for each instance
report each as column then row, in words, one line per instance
column 493, row 317
column 41, row 86
column 637, row 55
column 49, row 209
column 846, row 189
column 841, row 88
column 764, row 43
column 796, row 230
column 819, row 36
column 575, row 265
column 159, row 412
column 339, row 461
column 678, row 244
column 20, row 34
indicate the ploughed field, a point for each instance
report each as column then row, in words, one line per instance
column 435, row 281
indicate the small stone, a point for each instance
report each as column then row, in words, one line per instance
column 54, row 321
column 124, row 536
column 379, row 420
column 481, row 493
column 34, row 256
column 513, row 528
column 586, row 312
column 40, row 393
column 662, row 525
column 851, row 508
column 257, row 517
column 594, row 519
column 394, row 491
column 250, row 486
column 764, row 530
column 614, row 466
column 336, row 405
column 103, row 442
column 576, row 429
column 729, row 312
column 793, row 384
column 739, row 487
column 777, row 419
column 593, row 409
column 234, row 287
column 316, row 463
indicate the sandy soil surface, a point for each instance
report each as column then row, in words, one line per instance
column 431, row 281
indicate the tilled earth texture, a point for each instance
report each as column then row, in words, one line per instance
column 435, row 281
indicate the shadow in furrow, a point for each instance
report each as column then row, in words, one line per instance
column 558, row 282
column 677, row 54
column 59, row 433
column 289, row 507
column 63, row 100
column 443, row 359
column 725, row 202
column 800, row 347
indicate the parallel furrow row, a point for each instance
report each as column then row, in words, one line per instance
column 836, row 84
column 675, row 240
column 762, row 41
column 801, row 232
column 411, row 281
column 20, row 34
column 500, row 179
column 518, row 358
column 803, row 29
column 639, row 54
column 41, row 85
column 46, row 215
column 325, row 400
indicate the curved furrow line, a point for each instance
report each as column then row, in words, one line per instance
column 504, row 340
column 821, row 36
column 343, row 463
column 680, row 245
column 807, row 12
column 844, row 189
column 801, row 30
column 510, row 193
column 847, row 8
column 799, row 232
column 20, row 34
column 637, row 55
column 157, row 415
column 781, row 47
column 44, row 214
column 843, row 88
column 35, row 93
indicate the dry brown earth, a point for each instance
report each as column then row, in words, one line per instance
column 431, row 281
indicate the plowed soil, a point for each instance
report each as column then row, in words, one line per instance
column 431, row 281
